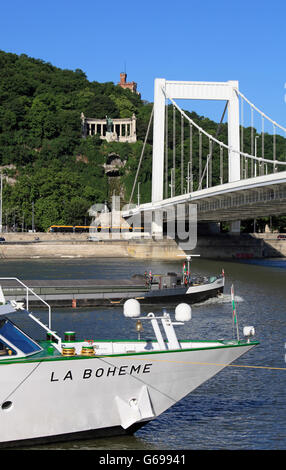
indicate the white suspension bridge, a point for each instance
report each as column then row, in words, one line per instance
column 255, row 184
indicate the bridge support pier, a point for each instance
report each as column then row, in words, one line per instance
column 158, row 140
column 234, row 142
column 157, row 224
column 235, row 227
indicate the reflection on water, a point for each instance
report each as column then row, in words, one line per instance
column 245, row 408
column 112, row 443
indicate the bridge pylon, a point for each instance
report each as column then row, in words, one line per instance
column 225, row 91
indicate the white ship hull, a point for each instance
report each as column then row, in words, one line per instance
column 64, row 397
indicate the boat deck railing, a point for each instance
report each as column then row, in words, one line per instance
column 28, row 292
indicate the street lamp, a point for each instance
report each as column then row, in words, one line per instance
column 138, row 194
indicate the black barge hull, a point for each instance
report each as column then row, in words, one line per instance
column 95, row 293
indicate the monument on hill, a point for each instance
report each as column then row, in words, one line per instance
column 118, row 130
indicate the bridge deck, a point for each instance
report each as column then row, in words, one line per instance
column 243, row 199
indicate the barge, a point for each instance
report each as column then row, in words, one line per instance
column 158, row 288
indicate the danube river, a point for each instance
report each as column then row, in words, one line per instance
column 241, row 407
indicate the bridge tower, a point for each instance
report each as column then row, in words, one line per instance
column 193, row 90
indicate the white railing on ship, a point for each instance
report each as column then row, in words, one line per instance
column 28, row 289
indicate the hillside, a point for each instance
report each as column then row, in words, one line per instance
column 46, row 162
column 41, row 147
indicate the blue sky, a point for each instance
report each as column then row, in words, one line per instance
column 178, row 40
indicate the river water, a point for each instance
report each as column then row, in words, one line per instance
column 241, row 407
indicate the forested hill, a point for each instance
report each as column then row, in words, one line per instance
column 46, row 161
column 40, row 135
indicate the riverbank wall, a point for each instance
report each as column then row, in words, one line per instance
column 243, row 246
column 217, row 246
column 76, row 246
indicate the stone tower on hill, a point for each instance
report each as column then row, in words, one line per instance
column 132, row 86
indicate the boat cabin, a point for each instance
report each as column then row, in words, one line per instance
column 14, row 342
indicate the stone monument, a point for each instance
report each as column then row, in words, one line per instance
column 116, row 130
column 109, row 129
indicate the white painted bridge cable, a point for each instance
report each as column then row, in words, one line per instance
column 260, row 112
column 222, row 144
column 142, row 153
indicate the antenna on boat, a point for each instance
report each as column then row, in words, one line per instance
column 188, row 258
column 234, row 313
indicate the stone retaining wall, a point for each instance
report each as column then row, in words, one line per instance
column 59, row 245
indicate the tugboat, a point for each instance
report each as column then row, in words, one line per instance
column 66, row 388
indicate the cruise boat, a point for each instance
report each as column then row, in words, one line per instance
column 68, row 388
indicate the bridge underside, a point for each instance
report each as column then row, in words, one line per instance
column 241, row 205
column 251, row 198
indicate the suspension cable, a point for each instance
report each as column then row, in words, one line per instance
column 182, row 154
column 190, row 164
column 221, row 164
column 200, row 155
column 262, row 143
column 166, row 150
column 260, row 112
column 211, row 143
column 141, row 156
column 251, row 142
column 242, row 137
column 174, row 137
column 274, row 147
column 219, row 142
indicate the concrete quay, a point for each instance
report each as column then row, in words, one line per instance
column 23, row 246
column 68, row 245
